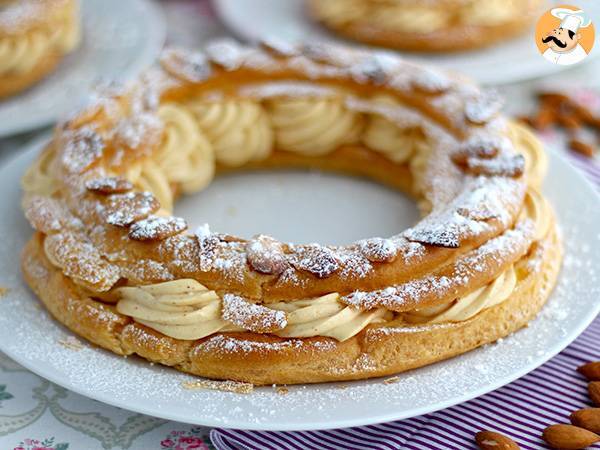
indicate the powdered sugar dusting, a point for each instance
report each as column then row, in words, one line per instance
column 448, row 284
column 81, row 149
column 157, row 227
column 378, row 249
column 265, row 255
column 28, row 333
column 250, row 316
column 125, row 209
column 315, row 259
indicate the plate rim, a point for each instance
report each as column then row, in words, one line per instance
column 37, row 142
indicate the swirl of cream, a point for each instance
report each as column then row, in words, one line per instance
column 384, row 136
column 39, row 179
column 182, row 309
column 410, row 19
column 313, row 126
column 538, row 209
column 239, row 130
column 418, row 167
column 19, row 54
column 340, row 11
column 185, row 154
column 326, row 316
column 470, row 305
column 149, row 176
column 185, row 309
column 489, row 12
column 536, row 160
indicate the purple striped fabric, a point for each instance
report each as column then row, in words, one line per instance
column 521, row 409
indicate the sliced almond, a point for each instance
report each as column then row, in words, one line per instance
column 569, row 437
column 192, row 67
column 484, row 107
column 316, row 259
column 484, row 147
column 251, row 316
column 265, row 255
column 378, row 249
column 594, row 391
column 124, row 209
column 108, row 185
column 505, row 166
column 588, row 418
column 156, row 228
column 590, row 370
column 490, row 440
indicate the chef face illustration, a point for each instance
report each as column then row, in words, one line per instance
column 562, row 42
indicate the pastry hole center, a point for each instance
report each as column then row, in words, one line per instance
column 299, row 206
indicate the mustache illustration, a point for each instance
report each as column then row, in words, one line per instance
column 555, row 40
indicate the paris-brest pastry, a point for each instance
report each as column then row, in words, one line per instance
column 427, row 25
column 35, row 36
column 110, row 261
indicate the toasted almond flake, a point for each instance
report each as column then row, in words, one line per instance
column 108, row 185
column 391, row 380
column 187, row 66
column 250, row 316
column 71, row 342
column 124, row 209
column 483, row 108
column 156, row 228
column 265, row 255
column 321, row 261
column 506, row 166
column 237, row 387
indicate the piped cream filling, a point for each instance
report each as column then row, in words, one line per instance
column 20, row 54
column 421, row 18
column 185, row 309
column 199, row 134
column 182, row 309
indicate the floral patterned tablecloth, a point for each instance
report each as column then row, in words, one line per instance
column 38, row 415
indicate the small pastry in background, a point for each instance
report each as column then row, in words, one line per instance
column 35, row 35
column 430, row 26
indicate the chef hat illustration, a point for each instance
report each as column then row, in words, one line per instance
column 571, row 20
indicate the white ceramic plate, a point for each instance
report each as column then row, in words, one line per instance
column 120, row 38
column 339, row 210
column 515, row 60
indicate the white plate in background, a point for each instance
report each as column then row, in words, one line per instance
column 515, row 60
column 120, row 38
column 349, row 208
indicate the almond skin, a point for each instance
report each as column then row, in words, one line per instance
column 569, row 437
column 588, row 418
column 490, row 440
column 590, row 370
column 594, row 390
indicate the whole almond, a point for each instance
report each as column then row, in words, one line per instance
column 588, row 418
column 569, row 437
column 590, row 370
column 594, row 390
column 582, row 147
column 490, row 440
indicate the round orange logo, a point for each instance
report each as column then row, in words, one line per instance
column 565, row 35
